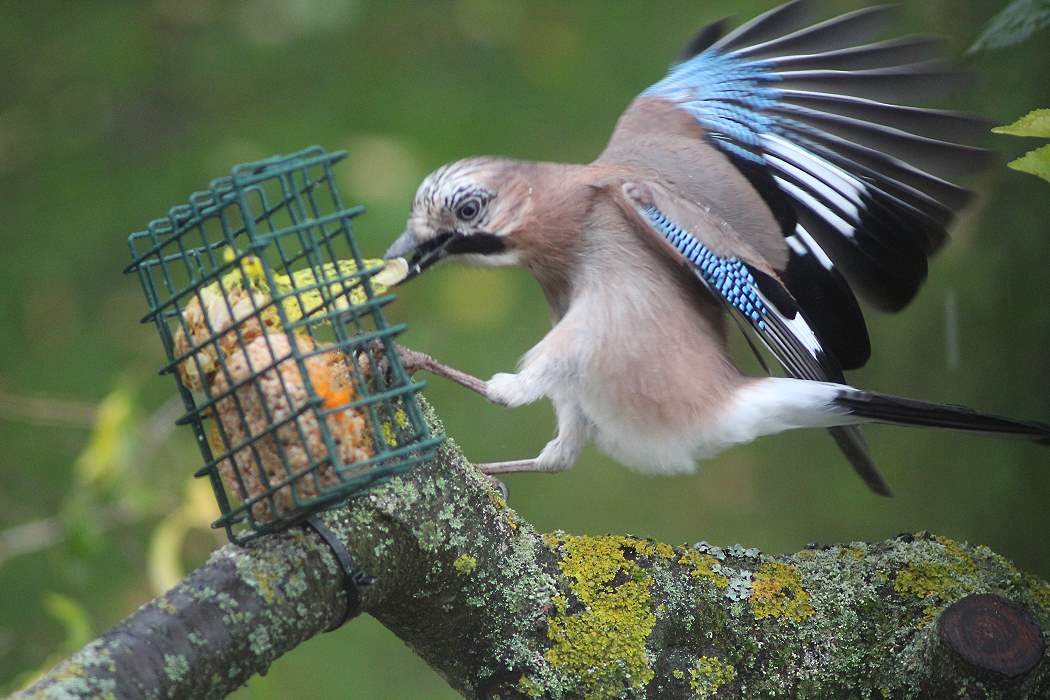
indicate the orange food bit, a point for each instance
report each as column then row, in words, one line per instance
column 334, row 398
column 332, row 394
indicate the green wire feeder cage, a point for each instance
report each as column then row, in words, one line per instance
column 273, row 328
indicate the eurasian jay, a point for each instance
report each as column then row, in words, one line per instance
column 767, row 178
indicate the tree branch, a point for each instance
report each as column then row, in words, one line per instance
column 499, row 609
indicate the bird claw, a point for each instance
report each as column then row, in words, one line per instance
column 414, row 361
column 498, row 485
column 411, row 360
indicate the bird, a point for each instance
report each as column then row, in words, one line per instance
column 774, row 177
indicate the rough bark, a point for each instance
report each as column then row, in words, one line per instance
column 501, row 610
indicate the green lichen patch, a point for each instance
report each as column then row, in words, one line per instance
column 708, row 675
column 176, row 666
column 259, row 642
column 296, row 585
column 704, row 566
column 262, row 573
column 1039, row 590
column 776, row 591
column 599, row 637
column 430, row 536
column 465, row 564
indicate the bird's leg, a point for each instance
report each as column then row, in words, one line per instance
column 414, row 360
column 560, row 453
column 516, row 465
column 503, row 389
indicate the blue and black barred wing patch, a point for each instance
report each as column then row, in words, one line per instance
column 810, row 115
column 758, row 299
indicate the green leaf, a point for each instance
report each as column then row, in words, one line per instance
column 1020, row 20
column 73, row 617
column 1035, row 123
column 1035, row 162
column 110, row 450
column 164, row 562
column 164, row 565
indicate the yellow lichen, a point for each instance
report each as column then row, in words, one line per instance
column 664, row 551
column 925, row 580
column 776, row 591
column 603, row 644
column 465, row 564
column 855, row 552
column 937, row 584
column 708, row 675
column 390, row 432
column 703, row 567
column 964, row 560
column 508, row 514
column 529, row 687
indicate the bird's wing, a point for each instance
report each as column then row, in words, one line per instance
column 806, row 117
column 731, row 271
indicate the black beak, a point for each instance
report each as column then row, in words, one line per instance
column 420, row 256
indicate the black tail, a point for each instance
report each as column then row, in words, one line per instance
column 851, row 441
column 895, row 409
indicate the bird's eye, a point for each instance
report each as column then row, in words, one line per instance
column 468, row 210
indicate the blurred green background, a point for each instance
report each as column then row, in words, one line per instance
column 110, row 112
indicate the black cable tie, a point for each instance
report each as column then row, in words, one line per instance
column 353, row 578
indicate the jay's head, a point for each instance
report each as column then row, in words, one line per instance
column 469, row 211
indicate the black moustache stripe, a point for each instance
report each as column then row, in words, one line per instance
column 482, row 243
column 429, row 246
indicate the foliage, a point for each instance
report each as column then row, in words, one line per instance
column 1036, row 123
column 1016, row 23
